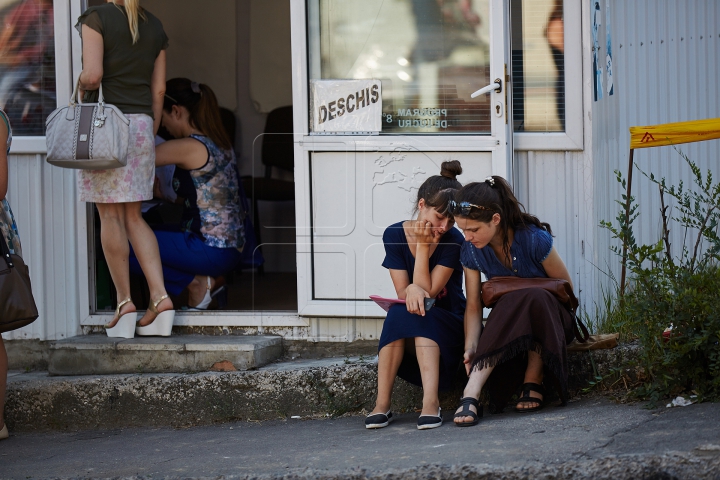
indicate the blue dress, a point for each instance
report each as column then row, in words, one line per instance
column 444, row 322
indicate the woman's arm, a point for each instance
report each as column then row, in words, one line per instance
column 186, row 153
column 157, row 87
column 555, row 267
column 473, row 315
column 400, row 280
column 432, row 282
column 3, row 160
column 92, row 55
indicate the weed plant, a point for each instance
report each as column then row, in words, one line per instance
column 676, row 291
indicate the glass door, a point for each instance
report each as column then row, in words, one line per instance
column 439, row 71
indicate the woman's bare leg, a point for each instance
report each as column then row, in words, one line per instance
column 533, row 374
column 113, row 237
column 428, row 357
column 147, row 252
column 389, row 360
column 472, row 389
column 3, row 381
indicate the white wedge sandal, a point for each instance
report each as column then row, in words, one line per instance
column 125, row 326
column 163, row 323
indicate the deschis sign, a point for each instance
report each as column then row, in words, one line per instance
column 346, row 106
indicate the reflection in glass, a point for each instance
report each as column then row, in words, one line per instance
column 538, row 65
column 429, row 54
column 27, row 64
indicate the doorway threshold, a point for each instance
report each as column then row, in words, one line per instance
column 218, row 318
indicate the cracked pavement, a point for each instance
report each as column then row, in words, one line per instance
column 589, row 431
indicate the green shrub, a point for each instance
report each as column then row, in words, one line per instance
column 679, row 291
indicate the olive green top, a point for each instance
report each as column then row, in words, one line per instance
column 127, row 68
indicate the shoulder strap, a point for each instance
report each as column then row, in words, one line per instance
column 5, row 119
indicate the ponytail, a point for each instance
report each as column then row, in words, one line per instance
column 496, row 196
column 201, row 103
column 134, row 13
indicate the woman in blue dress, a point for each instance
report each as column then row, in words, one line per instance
column 421, row 346
column 524, row 339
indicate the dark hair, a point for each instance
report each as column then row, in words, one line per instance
column 439, row 190
column 496, row 195
column 200, row 101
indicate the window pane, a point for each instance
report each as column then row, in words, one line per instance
column 430, row 55
column 27, row 64
column 538, row 65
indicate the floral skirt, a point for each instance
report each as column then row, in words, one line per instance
column 8, row 228
column 134, row 181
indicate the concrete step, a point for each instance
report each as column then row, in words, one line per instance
column 100, row 355
column 37, row 401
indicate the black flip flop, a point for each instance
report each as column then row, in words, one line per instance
column 526, row 398
column 466, row 412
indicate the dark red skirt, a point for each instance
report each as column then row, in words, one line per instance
column 524, row 320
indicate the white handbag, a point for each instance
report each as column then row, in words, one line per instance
column 92, row 136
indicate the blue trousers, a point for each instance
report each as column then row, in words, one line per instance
column 184, row 255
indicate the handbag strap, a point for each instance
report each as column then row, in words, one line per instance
column 74, row 96
column 580, row 330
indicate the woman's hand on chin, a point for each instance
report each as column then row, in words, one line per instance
column 415, row 299
column 424, row 232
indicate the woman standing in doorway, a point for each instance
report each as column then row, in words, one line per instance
column 523, row 343
column 124, row 50
column 423, row 257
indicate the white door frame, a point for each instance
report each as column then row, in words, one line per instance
column 499, row 143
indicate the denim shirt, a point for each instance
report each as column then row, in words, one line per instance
column 530, row 247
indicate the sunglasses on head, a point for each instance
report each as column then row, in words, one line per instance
column 463, row 208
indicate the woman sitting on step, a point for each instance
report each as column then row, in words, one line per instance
column 523, row 342
column 423, row 346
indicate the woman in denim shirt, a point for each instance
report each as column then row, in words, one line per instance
column 524, row 340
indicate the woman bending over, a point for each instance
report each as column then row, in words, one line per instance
column 211, row 236
column 523, row 342
column 423, row 347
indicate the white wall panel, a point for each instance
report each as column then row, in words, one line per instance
column 666, row 70
column 355, row 196
column 554, row 186
column 45, row 205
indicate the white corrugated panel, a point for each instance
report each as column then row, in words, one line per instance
column 45, row 205
column 666, row 69
column 554, row 186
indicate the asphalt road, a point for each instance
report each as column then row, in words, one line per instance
column 586, row 430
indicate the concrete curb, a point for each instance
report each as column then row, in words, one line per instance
column 37, row 402
column 671, row 466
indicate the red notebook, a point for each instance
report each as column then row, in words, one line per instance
column 386, row 303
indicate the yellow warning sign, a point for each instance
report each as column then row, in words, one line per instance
column 674, row 133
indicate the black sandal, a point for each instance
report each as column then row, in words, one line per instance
column 526, row 398
column 466, row 412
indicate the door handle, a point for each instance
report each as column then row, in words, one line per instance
column 496, row 86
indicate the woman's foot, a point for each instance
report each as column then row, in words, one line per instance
column 125, row 308
column 532, row 399
column 149, row 317
column 4, row 432
column 199, row 291
column 468, row 419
